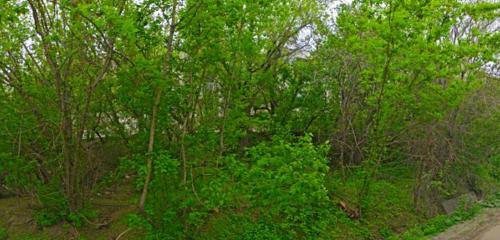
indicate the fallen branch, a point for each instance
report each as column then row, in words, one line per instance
column 123, row 233
column 353, row 213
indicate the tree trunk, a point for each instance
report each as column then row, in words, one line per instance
column 156, row 107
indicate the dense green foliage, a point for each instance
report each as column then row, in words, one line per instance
column 251, row 119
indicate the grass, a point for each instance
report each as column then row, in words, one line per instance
column 18, row 222
column 3, row 234
column 440, row 223
column 389, row 205
column 389, row 212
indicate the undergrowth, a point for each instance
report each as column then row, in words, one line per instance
column 440, row 223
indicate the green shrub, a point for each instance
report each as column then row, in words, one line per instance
column 3, row 234
column 53, row 206
column 260, row 231
column 287, row 186
column 492, row 201
column 277, row 190
column 20, row 175
column 165, row 197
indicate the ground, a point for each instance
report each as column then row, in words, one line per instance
column 16, row 217
column 486, row 226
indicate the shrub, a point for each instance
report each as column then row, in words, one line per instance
column 286, row 183
column 164, row 203
column 260, row 231
column 19, row 173
column 53, row 206
column 3, row 234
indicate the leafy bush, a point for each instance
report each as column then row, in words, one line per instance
column 53, row 206
column 165, row 197
column 492, row 201
column 287, row 187
column 3, row 234
column 19, row 173
column 260, row 231
column 276, row 192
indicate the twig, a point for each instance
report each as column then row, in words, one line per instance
column 123, row 233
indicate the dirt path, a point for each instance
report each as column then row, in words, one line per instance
column 486, row 226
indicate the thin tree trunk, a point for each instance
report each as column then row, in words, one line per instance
column 156, row 106
column 183, row 150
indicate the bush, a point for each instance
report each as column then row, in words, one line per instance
column 164, row 203
column 3, row 234
column 53, row 206
column 260, row 231
column 19, row 173
column 286, row 183
column 492, row 201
